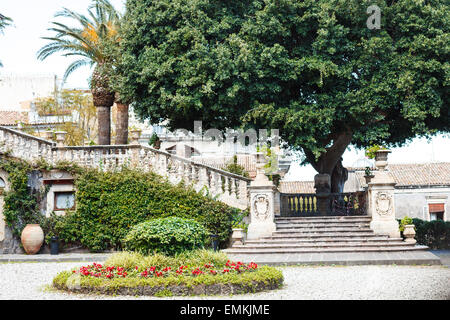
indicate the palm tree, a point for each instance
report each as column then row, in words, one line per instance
column 89, row 41
column 4, row 22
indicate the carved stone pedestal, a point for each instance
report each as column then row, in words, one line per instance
column 381, row 197
column 262, row 204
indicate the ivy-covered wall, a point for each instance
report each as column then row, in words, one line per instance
column 108, row 204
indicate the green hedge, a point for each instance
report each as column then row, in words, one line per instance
column 434, row 234
column 166, row 235
column 109, row 204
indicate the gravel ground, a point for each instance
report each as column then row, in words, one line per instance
column 32, row 280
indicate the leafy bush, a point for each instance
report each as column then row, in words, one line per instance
column 236, row 168
column 166, row 235
column 434, row 234
column 109, row 204
column 129, row 260
column 21, row 203
column 402, row 223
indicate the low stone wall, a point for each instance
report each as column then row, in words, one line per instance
column 179, row 290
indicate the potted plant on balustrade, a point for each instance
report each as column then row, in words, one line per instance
column 154, row 141
column 368, row 175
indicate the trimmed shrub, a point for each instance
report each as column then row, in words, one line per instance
column 109, row 204
column 166, row 235
column 434, row 234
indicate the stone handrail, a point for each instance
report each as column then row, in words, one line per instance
column 225, row 186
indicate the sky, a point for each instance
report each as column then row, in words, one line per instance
column 21, row 41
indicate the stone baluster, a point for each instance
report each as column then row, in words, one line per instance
column 233, row 188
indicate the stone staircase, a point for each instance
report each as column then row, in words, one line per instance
column 329, row 240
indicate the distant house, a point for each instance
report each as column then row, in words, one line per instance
column 422, row 190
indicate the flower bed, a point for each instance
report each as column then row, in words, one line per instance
column 233, row 278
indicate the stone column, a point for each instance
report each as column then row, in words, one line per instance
column 135, row 135
column 381, row 198
column 262, row 203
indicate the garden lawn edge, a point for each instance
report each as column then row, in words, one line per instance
column 265, row 278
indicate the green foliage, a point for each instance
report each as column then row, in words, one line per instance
column 4, row 22
column 153, row 139
column 434, row 234
column 235, row 168
column 370, row 152
column 110, row 203
column 406, row 220
column 166, row 235
column 21, row 204
column 191, row 258
column 238, row 220
column 309, row 68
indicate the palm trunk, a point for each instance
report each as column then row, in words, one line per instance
column 104, row 125
column 103, row 101
column 122, row 123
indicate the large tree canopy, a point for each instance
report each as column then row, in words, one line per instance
column 312, row 69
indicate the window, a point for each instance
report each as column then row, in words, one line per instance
column 436, row 211
column 2, row 183
column 436, row 216
column 64, row 200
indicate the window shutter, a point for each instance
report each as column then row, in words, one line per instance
column 435, row 207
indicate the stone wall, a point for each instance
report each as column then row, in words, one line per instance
column 414, row 202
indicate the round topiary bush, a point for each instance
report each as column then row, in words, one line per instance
column 166, row 235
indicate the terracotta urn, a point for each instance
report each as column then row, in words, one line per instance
column 32, row 238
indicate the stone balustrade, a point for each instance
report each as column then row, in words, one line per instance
column 225, row 186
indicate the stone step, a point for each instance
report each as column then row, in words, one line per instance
column 321, row 223
column 307, row 221
column 254, row 251
column 411, row 257
column 324, row 235
column 322, row 245
column 324, row 226
column 323, row 218
column 324, row 241
column 321, row 231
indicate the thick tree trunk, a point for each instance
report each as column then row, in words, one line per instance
column 338, row 178
column 103, row 100
column 104, row 125
column 330, row 163
column 122, row 123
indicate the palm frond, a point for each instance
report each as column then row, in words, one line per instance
column 75, row 65
column 86, row 40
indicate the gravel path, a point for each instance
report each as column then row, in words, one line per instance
column 31, row 281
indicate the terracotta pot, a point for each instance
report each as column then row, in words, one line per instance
column 32, row 238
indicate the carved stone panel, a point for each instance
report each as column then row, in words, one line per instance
column 261, row 204
column 383, row 203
